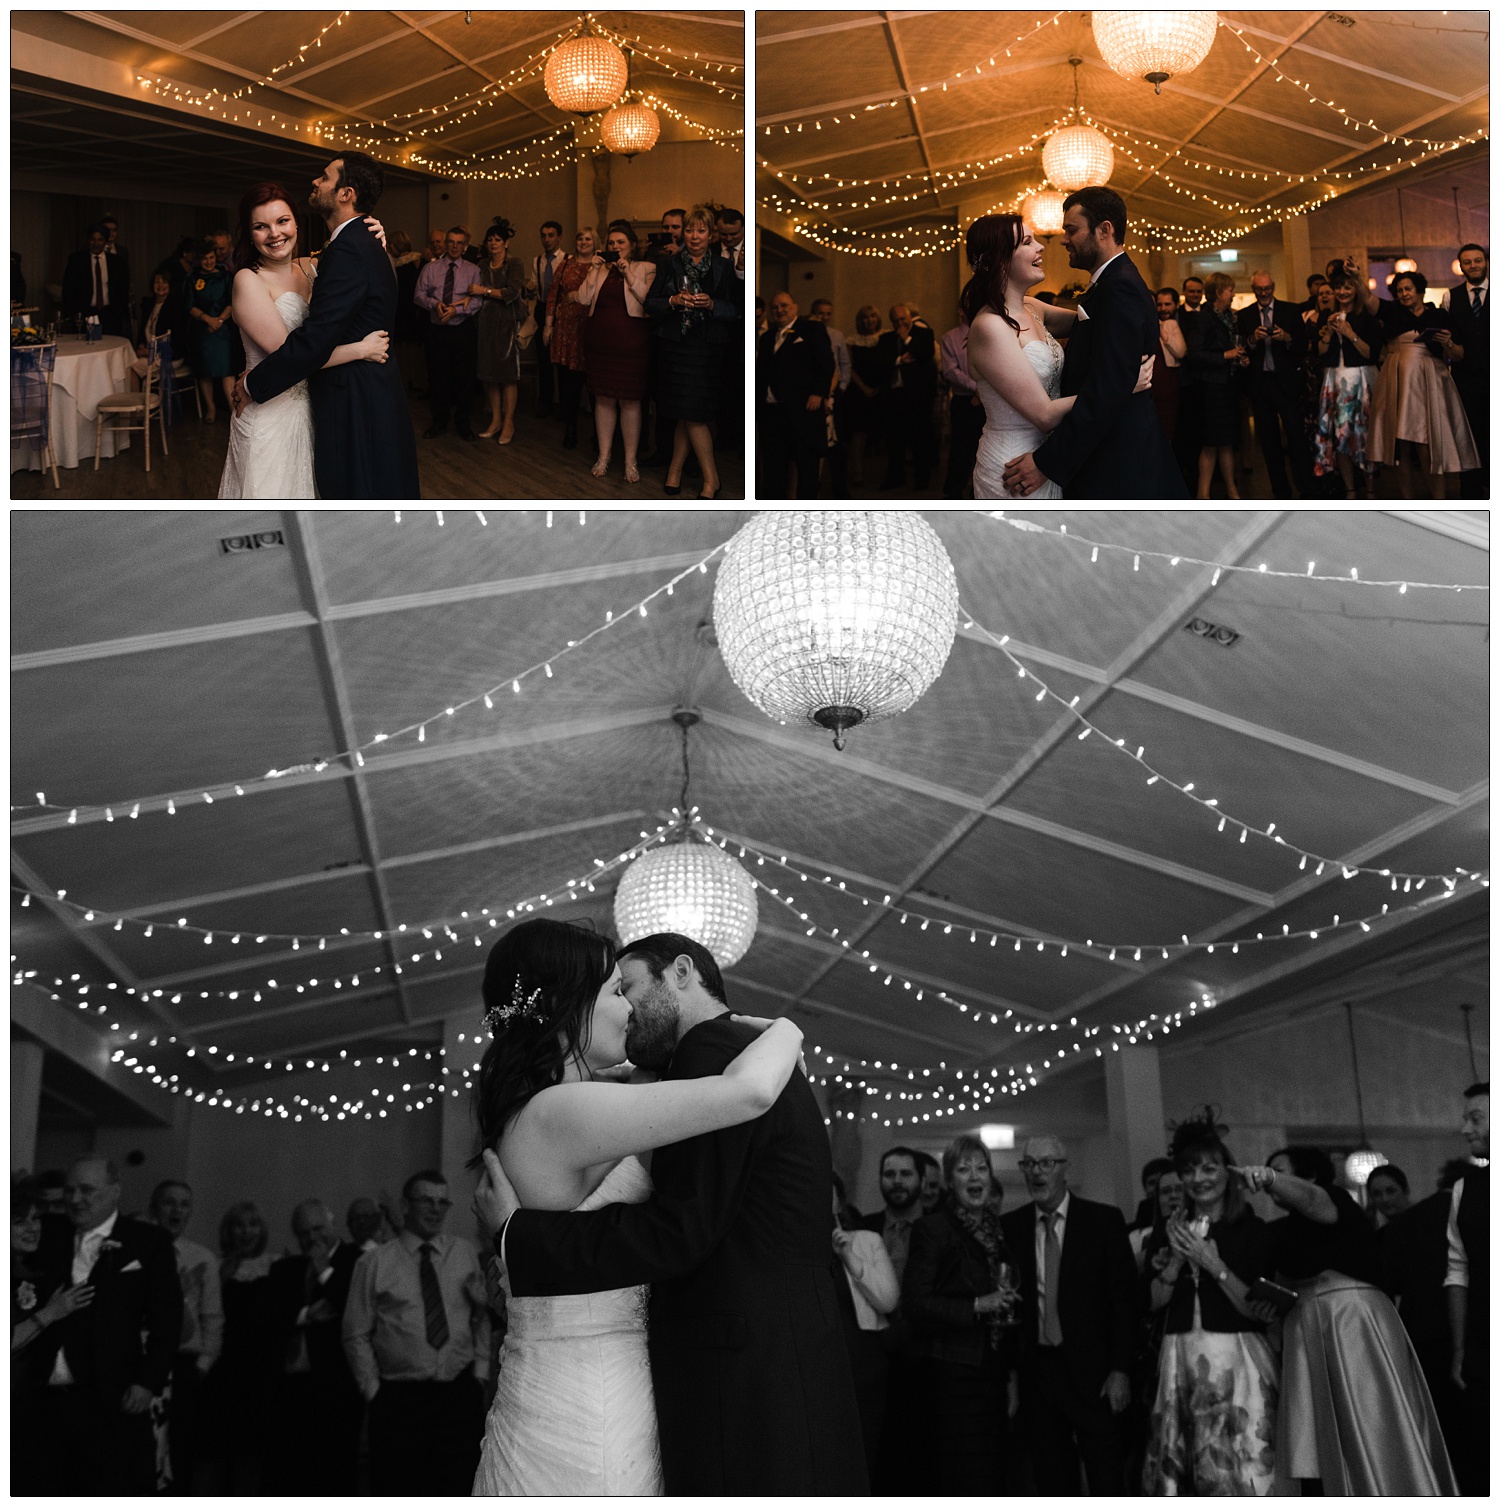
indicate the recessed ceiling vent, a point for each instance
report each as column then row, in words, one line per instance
column 242, row 544
column 1340, row 20
column 1213, row 631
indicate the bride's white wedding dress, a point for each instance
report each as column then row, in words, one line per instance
column 1006, row 434
column 271, row 444
column 574, row 1412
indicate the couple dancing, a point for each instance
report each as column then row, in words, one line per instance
column 1082, row 425
column 318, row 412
column 674, row 1320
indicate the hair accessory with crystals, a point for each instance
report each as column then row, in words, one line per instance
column 522, row 1006
column 977, row 261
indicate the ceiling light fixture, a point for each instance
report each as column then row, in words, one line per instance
column 834, row 619
column 1154, row 45
column 585, row 74
column 1078, row 156
column 1043, row 211
column 630, row 128
column 689, row 886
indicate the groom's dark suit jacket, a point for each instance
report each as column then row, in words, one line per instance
column 1112, row 444
column 754, row 1395
column 363, row 444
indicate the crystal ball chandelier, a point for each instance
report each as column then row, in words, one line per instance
column 1154, row 45
column 833, row 619
column 1358, row 1165
column 1078, row 157
column 1043, row 211
column 585, row 74
column 690, row 887
column 629, row 129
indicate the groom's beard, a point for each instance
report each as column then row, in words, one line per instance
column 651, row 1037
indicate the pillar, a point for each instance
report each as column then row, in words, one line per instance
column 1296, row 258
column 1137, row 1122
column 25, row 1102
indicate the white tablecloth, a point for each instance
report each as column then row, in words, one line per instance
column 86, row 371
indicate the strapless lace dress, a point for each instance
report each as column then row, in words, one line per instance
column 574, row 1412
column 271, row 444
column 1006, row 434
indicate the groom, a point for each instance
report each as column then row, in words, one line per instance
column 1111, row 445
column 362, row 439
column 754, row 1396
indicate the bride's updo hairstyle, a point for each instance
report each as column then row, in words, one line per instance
column 991, row 242
column 1202, row 1134
column 246, row 253
column 540, row 983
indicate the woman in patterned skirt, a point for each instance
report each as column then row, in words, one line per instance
column 1213, row 1428
column 1348, row 347
column 563, row 331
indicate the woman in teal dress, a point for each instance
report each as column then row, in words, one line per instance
column 209, row 295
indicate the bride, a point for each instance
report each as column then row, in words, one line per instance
column 574, row 1413
column 1014, row 359
column 271, row 444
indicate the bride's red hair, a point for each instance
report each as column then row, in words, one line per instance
column 989, row 245
column 246, row 253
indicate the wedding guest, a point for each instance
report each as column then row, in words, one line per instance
column 171, row 1208
column 210, row 307
column 436, row 247
column 545, row 266
column 1215, row 356
column 106, row 1360
column 965, row 410
column 794, row 370
column 1348, row 346
column 416, row 1332
column 366, row 1225
column 1275, row 338
column 1355, row 1416
column 1389, row 1194
column 698, row 305
column 160, row 315
column 874, row 1292
column 179, row 268
column 240, row 1395
column 1418, row 421
column 959, row 1296
column 617, row 341
column 1213, row 1421
column 1469, row 351
column 1192, row 295
column 407, row 335
column 730, row 226
column 501, row 289
column 564, row 331
column 1171, row 352
column 1166, row 1198
column 838, row 444
column 909, row 387
column 96, row 284
column 1310, row 303
column 934, row 1194
column 863, row 418
column 1149, row 1245
column 445, row 289
column 1467, row 1285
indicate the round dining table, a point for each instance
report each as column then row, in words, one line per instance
column 86, row 371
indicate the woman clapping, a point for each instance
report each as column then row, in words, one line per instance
column 617, row 346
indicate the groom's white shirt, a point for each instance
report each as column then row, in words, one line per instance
column 333, row 234
column 1098, row 271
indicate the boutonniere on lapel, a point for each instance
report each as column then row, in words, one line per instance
column 26, row 1297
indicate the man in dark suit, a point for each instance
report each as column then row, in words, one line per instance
column 1469, row 317
column 1111, row 445
column 1274, row 333
column 94, row 282
column 908, row 364
column 321, row 1407
column 363, row 442
column 793, row 374
column 1077, row 1328
column 1467, row 1287
column 105, row 1362
column 754, row 1394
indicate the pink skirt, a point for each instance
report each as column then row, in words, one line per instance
column 1416, row 399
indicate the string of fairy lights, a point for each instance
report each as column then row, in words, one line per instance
column 411, row 133
column 508, row 685
column 923, row 239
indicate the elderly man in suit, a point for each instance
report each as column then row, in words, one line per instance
column 322, row 1408
column 908, row 356
column 1077, row 1328
column 107, row 1360
column 1469, row 348
column 794, row 369
column 1274, row 333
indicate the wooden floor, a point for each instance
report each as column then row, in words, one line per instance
column 533, row 466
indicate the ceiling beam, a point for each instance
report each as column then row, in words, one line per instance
column 857, row 23
column 903, row 77
column 1467, row 528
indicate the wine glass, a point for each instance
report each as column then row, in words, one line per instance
column 1011, row 1314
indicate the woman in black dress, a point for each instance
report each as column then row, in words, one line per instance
column 1215, row 355
column 698, row 305
column 502, row 285
column 958, row 1294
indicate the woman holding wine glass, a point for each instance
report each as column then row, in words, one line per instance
column 960, row 1298
column 1213, row 1425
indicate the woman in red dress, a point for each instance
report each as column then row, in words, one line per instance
column 617, row 342
column 563, row 331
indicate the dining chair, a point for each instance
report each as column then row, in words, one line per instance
column 31, row 368
column 125, row 411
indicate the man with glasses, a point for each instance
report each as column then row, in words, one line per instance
column 1077, row 1327
column 417, row 1334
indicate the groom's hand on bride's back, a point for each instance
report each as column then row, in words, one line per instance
column 494, row 1199
column 240, row 399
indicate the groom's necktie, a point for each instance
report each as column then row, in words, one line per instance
column 432, row 1300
